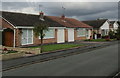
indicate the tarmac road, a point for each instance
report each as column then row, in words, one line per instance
column 100, row 62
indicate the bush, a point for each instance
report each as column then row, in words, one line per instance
column 107, row 38
column 118, row 33
column 112, row 34
column 104, row 37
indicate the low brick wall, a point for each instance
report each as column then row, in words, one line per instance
column 26, row 50
column 11, row 55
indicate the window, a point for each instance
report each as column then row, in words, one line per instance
column 49, row 34
column 81, row 32
column 27, row 36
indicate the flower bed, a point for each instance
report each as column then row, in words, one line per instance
column 10, row 54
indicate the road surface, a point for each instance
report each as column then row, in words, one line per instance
column 100, row 62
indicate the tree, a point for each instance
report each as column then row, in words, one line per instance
column 111, row 34
column 118, row 33
column 39, row 30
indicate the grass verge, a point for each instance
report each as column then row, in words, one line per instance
column 100, row 40
column 53, row 47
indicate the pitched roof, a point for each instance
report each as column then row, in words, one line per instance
column 69, row 22
column 20, row 19
column 95, row 23
column 112, row 22
column 118, row 23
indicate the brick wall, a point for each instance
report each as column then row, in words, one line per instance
column 18, row 37
column 36, row 40
column 78, row 38
column 66, row 35
column 5, row 24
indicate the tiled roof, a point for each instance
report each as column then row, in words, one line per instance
column 69, row 22
column 20, row 19
column 95, row 23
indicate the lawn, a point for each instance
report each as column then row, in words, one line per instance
column 99, row 40
column 54, row 47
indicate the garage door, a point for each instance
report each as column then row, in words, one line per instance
column 60, row 36
column 70, row 35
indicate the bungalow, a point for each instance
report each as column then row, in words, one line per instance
column 75, row 30
column 100, row 27
column 113, row 25
column 18, row 29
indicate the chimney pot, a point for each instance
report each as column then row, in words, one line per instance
column 41, row 15
column 63, row 17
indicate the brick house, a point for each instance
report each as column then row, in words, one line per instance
column 18, row 29
column 75, row 30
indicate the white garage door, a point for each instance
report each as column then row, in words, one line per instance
column 70, row 35
column 60, row 36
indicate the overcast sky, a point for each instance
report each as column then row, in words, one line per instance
column 79, row 10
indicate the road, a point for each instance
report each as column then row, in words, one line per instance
column 99, row 62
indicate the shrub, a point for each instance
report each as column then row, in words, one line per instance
column 112, row 34
column 107, row 38
column 118, row 33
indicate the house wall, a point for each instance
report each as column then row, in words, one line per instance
column 104, row 29
column 5, row 24
column 105, row 25
column 115, row 25
column 37, row 41
column 18, row 35
column 78, row 38
column 66, row 35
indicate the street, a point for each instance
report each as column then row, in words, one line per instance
column 99, row 62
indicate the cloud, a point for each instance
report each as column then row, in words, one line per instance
column 79, row 10
column 60, row 0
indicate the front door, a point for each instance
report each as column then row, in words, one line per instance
column 27, row 36
column 8, row 38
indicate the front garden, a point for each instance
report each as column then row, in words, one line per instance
column 100, row 40
column 10, row 54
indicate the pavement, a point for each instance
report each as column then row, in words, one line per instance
column 97, row 62
column 19, row 62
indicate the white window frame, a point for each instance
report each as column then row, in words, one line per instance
column 27, row 37
column 81, row 35
column 49, row 37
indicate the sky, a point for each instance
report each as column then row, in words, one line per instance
column 81, row 10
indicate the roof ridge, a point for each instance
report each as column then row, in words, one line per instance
column 17, row 13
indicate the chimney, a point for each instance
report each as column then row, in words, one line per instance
column 41, row 15
column 63, row 17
